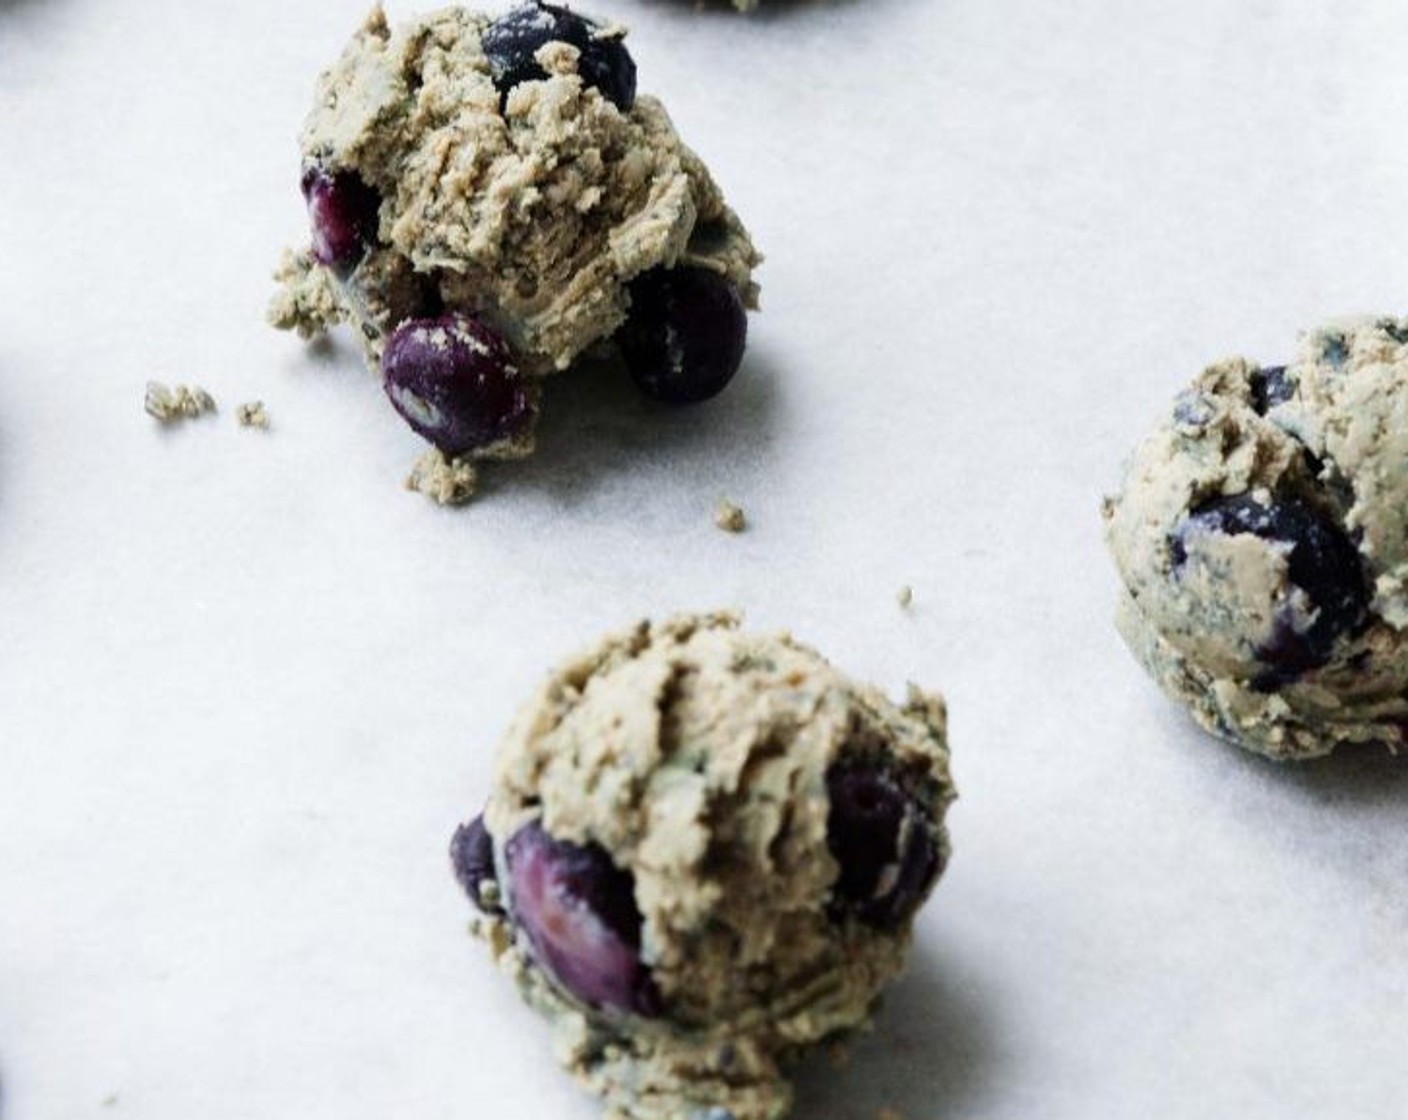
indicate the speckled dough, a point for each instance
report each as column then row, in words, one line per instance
column 1338, row 443
column 533, row 216
column 695, row 755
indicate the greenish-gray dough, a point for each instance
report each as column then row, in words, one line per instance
column 1212, row 613
column 532, row 213
column 697, row 756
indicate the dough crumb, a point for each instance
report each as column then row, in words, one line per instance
column 182, row 402
column 905, row 597
column 730, row 517
column 305, row 300
column 557, row 57
column 445, row 481
column 252, row 415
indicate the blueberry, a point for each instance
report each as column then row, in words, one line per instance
column 685, row 335
column 1320, row 560
column 1334, row 348
column 1270, row 387
column 343, row 212
column 1193, row 410
column 472, row 856
column 579, row 913
column 511, row 41
column 1396, row 329
column 880, row 837
column 453, row 380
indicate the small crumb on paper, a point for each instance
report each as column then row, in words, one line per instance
column 445, row 481
column 181, row 402
column 905, row 597
column 252, row 415
column 730, row 517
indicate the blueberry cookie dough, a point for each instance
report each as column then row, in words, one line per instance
column 702, row 854
column 489, row 199
column 1262, row 536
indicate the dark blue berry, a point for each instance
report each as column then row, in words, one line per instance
column 1396, row 329
column 453, row 380
column 1320, row 560
column 578, row 911
column 1334, row 348
column 342, row 210
column 685, row 335
column 472, row 856
column 511, row 41
column 884, row 843
column 1270, row 387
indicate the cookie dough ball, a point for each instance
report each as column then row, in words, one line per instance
column 702, row 854
column 489, row 199
column 1262, row 536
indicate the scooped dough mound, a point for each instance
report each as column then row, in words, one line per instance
column 707, row 850
column 530, row 205
column 1262, row 537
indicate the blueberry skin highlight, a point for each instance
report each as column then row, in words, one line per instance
column 1270, row 387
column 579, row 914
column 453, row 380
column 511, row 41
column 685, row 336
column 1321, row 561
column 879, row 836
column 472, row 857
column 342, row 211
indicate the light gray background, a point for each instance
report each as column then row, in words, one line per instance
column 248, row 685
